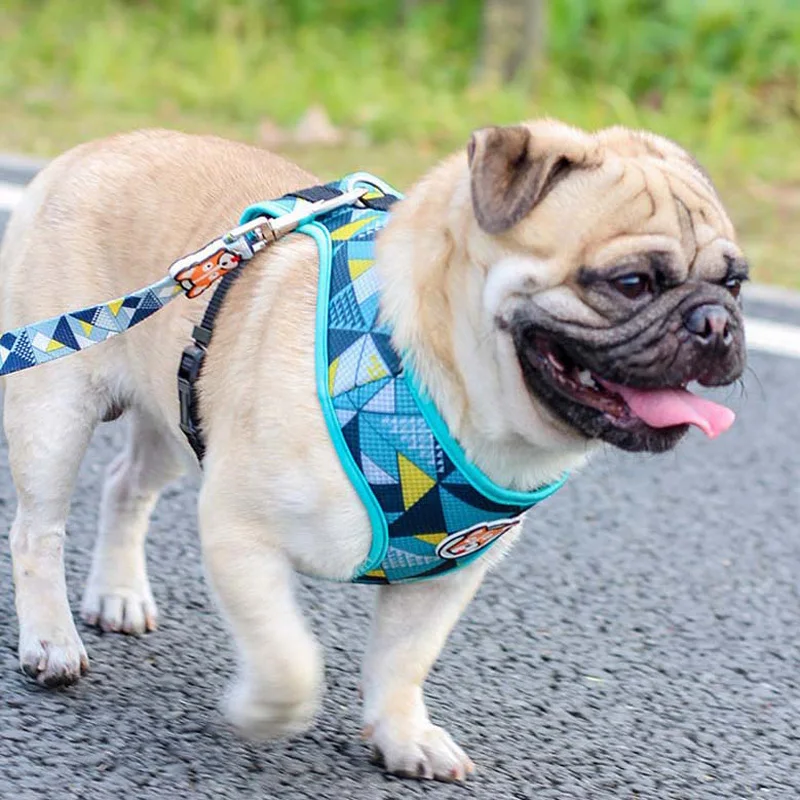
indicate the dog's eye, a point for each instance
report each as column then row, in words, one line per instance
column 734, row 286
column 633, row 286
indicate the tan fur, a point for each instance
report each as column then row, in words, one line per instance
column 110, row 216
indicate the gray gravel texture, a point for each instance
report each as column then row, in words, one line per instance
column 642, row 642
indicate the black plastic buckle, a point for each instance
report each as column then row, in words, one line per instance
column 188, row 373
column 382, row 203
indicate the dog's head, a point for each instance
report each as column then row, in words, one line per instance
column 612, row 271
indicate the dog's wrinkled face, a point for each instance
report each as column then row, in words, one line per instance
column 612, row 267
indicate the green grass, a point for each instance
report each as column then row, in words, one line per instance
column 707, row 69
column 719, row 76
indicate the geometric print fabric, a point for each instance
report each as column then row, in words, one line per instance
column 69, row 333
column 422, row 494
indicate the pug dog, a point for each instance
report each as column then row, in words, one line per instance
column 557, row 289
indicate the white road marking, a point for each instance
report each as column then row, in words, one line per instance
column 10, row 195
column 773, row 295
column 773, row 337
column 762, row 334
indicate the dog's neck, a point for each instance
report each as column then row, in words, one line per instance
column 433, row 299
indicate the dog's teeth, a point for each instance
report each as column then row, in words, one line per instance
column 586, row 379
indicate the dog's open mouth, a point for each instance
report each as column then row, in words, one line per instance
column 548, row 366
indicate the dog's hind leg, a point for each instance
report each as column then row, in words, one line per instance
column 117, row 595
column 49, row 417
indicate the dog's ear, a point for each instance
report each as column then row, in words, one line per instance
column 511, row 172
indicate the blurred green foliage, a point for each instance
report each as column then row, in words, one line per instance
column 722, row 77
column 403, row 75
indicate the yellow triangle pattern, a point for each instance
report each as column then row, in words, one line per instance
column 376, row 369
column 349, row 230
column 87, row 327
column 413, row 481
column 53, row 345
column 115, row 306
column 432, row 538
column 376, row 573
column 358, row 266
column 332, row 374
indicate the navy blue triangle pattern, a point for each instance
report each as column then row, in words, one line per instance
column 340, row 339
column 88, row 314
column 64, row 335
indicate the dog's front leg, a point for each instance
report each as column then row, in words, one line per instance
column 411, row 624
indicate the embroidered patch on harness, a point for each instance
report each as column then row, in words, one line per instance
column 474, row 539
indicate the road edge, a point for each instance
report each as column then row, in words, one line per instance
column 19, row 169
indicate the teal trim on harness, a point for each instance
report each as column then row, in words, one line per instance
column 498, row 494
column 319, row 233
column 431, row 509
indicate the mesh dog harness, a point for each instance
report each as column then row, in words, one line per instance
column 431, row 510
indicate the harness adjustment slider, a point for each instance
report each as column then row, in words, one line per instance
column 188, row 373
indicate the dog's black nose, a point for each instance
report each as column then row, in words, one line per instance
column 711, row 324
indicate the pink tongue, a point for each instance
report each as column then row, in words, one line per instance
column 661, row 408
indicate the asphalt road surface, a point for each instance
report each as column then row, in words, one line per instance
column 642, row 642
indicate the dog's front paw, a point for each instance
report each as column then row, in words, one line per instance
column 58, row 660
column 120, row 610
column 418, row 750
column 269, row 717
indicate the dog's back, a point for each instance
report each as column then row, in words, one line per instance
column 110, row 216
column 107, row 218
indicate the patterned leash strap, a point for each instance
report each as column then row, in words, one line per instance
column 65, row 334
